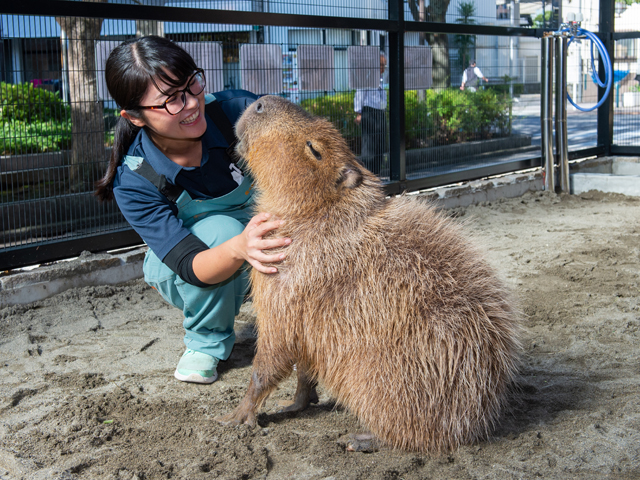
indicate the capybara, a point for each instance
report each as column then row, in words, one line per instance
column 384, row 301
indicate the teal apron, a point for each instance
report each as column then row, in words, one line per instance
column 208, row 312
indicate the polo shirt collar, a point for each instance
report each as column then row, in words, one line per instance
column 143, row 147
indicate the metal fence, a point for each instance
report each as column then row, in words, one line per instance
column 58, row 116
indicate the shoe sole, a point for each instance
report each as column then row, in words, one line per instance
column 195, row 378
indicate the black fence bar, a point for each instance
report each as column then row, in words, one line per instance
column 64, row 8
column 397, row 156
column 172, row 14
column 50, row 252
column 587, row 152
column 461, row 176
column 605, row 112
column 625, row 150
column 625, row 35
column 396, row 188
column 466, row 29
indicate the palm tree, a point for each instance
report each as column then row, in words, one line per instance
column 466, row 43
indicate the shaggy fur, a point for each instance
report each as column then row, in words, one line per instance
column 382, row 300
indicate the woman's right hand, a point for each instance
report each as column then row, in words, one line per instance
column 251, row 244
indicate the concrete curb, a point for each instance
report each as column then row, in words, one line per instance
column 622, row 175
column 100, row 269
column 486, row 190
column 88, row 269
column 605, row 182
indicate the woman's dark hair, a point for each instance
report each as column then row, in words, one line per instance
column 128, row 72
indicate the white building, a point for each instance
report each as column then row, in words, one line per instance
column 31, row 45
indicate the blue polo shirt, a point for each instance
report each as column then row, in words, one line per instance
column 148, row 211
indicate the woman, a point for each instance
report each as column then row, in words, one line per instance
column 173, row 176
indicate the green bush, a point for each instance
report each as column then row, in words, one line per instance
column 23, row 102
column 34, row 120
column 452, row 116
column 19, row 137
column 338, row 109
column 441, row 117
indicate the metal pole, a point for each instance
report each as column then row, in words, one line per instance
column 562, row 150
column 397, row 157
column 606, row 27
column 546, row 112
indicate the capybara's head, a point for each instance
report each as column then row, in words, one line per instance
column 298, row 157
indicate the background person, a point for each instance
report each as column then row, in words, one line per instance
column 471, row 76
column 173, row 176
column 370, row 107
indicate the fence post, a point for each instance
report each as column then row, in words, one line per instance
column 397, row 156
column 605, row 112
column 546, row 111
column 562, row 151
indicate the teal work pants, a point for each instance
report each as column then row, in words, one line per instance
column 209, row 312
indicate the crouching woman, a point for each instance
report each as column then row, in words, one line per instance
column 173, row 175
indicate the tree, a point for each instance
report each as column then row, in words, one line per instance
column 149, row 27
column 542, row 21
column 86, row 111
column 439, row 42
column 465, row 43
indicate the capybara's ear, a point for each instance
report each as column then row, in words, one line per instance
column 350, row 176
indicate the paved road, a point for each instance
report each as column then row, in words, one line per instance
column 581, row 127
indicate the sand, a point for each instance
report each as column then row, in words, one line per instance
column 86, row 385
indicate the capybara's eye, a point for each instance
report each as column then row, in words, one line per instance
column 314, row 151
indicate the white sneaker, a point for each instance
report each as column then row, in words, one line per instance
column 196, row 367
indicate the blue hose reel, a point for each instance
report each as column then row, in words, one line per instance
column 578, row 32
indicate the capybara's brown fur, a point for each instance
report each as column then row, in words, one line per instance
column 383, row 301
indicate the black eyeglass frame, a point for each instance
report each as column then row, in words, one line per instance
column 183, row 92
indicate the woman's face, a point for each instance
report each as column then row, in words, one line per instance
column 166, row 129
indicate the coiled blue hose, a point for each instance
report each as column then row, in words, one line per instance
column 608, row 68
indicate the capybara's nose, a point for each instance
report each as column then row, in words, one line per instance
column 259, row 107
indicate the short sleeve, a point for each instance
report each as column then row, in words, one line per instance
column 149, row 212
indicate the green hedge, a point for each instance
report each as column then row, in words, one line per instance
column 439, row 118
column 454, row 116
column 22, row 102
column 34, row 120
column 25, row 137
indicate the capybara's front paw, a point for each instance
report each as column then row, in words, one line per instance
column 238, row 417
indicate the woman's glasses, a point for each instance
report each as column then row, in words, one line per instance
column 177, row 100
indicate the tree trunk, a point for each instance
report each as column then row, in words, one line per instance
column 439, row 42
column 149, row 27
column 440, row 54
column 88, row 147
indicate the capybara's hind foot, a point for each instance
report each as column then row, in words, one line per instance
column 360, row 442
column 301, row 400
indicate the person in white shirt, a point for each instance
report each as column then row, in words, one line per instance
column 471, row 77
column 370, row 107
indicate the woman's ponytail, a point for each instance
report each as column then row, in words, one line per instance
column 125, row 133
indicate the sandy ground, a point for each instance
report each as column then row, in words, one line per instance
column 86, row 386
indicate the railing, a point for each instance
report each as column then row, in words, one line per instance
column 437, row 134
